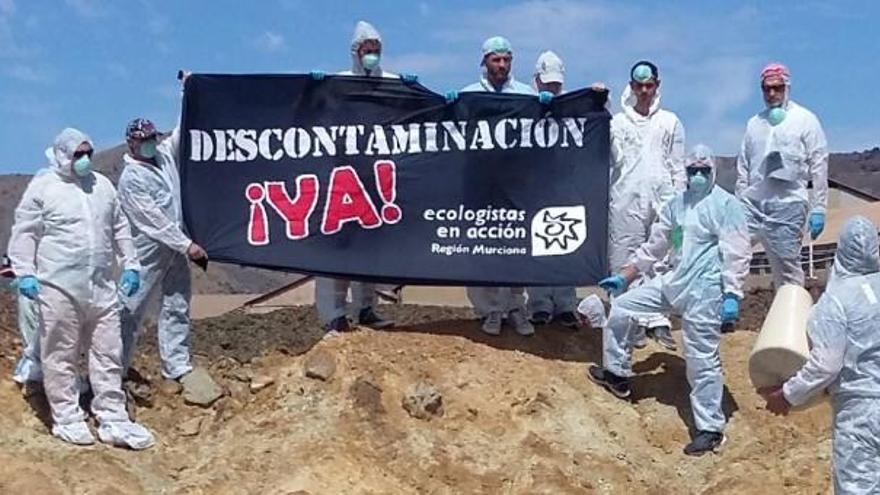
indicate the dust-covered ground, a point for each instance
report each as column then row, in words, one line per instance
column 518, row 416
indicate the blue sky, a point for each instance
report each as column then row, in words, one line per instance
column 96, row 64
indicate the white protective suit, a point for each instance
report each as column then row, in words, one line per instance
column 706, row 237
column 150, row 197
column 647, row 169
column 772, row 171
column 331, row 293
column 552, row 300
column 68, row 233
column 845, row 359
column 487, row 300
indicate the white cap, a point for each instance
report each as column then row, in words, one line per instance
column 550, row 68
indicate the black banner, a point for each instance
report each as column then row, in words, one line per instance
column 381, row 180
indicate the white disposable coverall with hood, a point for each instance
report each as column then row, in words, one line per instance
column 487, row 300
column 68, row 233
column 331, row 293
column 707, row 239
column 647, row 169
column 773, row 169
column 844, row 331
column 150, row 196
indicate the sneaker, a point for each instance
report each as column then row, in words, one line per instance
column 569, row 320
column 339, row 325
column 521, row 324
column 705, row 441
column 369, row 318
column 492, row 323
column 126, row 434
column 76, row 433
column 641, row 339
column 541, row 318
column 663, row 336
column 617, row 385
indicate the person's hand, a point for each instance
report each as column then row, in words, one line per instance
column 183, row 75
column 776, row 401
column 451, row 96
column 613, row 285
column 195, row 252
column 317, row 75
column 817, row 224
column 599, row 86
column 729, row 308
column 130, row 282
column 545, row 97
column 409, row 78
column 29, row 286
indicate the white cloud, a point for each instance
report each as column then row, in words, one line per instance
column 86, row 8
column 28, row 74
column 424, row 63
column 270, row 42
column 7, row 8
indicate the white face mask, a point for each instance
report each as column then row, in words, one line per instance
column 83, row 166
column 370, row 61
column 698, row 182
column 776, row 115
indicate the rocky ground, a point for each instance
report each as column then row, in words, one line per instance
column 432, row 407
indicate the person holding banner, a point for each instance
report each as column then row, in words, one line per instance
column 647, row 169
column 845, row 360
column 331, row 293
column 149, row 192
column 783, row 151
column 495, row 304
column 68, row 236
column 703, row 231
column 547, row 304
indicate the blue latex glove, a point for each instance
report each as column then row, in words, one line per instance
column 613, row 285
column 817, row 224
column 451, row 96
column 317, row 75
column 29, row 286
column 729, row 308
column 130, row 282
column 545, row 97
column 409, row 78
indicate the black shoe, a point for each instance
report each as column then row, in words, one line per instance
column 617, row 385
column 370, row 318
column 663, row 336
column 541, row 318
column 705, row 441
column 339, row 325
column 728, row 327
column 568, row 320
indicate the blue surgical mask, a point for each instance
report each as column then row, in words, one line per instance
column 83, row 166
column 148, row 149
column 698, row 182
column 776, row 115
column 370, row 61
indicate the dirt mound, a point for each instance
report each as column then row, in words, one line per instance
column 518, row 416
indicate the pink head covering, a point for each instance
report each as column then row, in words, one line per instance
column 775, row 69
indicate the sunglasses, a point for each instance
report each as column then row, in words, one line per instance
column 79, row 154
column 704, row 171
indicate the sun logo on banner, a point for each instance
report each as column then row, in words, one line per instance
column 558, row 230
